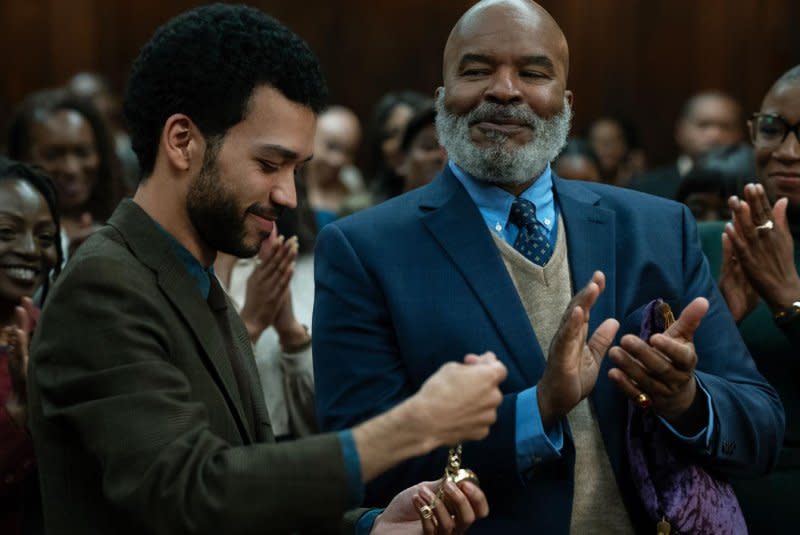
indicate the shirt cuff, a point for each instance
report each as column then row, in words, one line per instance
column 703, row 438
column 533, row 444
column 352, row 465
column 365, row 523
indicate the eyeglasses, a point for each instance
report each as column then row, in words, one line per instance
column 769, row 131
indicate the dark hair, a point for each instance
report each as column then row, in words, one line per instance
column 578, row 147
column 630, row 133
column 425, row 116
column 13, row 170
column 205, row 63
column 723, row 171
column 385, row 183
column 108, row 190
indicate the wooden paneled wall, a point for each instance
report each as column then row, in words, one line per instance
column 639, row 58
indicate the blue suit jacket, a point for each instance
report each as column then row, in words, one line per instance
column 417, row 281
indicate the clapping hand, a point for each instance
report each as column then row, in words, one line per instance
column 760, row 240
column 662, row 368
column 16, row 338
column 268, row 286
column 573, row 362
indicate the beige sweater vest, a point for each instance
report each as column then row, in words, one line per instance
column 545, row 293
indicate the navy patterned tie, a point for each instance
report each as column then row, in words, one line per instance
column 532, row 240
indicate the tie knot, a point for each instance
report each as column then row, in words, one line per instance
column 523, row 213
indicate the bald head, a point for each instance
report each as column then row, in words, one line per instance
column 500, row 16
column 340, row 119
column 336, row 143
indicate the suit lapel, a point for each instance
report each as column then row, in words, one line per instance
column 262, row 427
column 591, row 242
column 152, row 249
column 455, row 222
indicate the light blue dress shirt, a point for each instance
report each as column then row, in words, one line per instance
column 533, row 443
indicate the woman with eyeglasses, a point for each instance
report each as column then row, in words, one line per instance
column 758, row 265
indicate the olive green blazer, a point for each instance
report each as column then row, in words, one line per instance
column 135, row 412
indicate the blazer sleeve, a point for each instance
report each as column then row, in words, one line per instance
column 749, row 418
column 101, row 368
column 360, row 371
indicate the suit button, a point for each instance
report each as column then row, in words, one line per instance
column 728, row 447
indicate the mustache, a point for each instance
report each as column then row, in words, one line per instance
column 267, row 212
column 488, row 111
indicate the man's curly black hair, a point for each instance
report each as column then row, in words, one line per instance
column 205, row 63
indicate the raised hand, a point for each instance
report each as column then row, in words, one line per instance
column 16, row 336
column 268, row 286
column 573, row 363
column 460, row 401
column 457, row 403
column 664, row 369
column 736, row 289
column 460, row 506
column 764, row 246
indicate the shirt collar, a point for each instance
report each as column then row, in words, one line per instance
column 494, row 203
column 202, row 276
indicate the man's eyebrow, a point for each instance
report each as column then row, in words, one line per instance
column 538, row 60
column 534, row 60
column 474, row 58
column 283, row 152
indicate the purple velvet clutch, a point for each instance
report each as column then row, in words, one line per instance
column 678, row 495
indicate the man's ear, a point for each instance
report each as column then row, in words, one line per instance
column 568, row 94
column 181, row 142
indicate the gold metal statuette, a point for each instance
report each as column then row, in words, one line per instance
column 453, row 471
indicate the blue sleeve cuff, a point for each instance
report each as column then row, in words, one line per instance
column 533, row 444
column 352, row 465
column 703, row 438
column 364, row 525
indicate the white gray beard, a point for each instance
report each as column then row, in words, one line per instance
column 497, row 163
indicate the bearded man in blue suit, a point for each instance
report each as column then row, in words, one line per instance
column 499, row 253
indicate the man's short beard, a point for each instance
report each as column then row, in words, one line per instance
column 213, row 211
column 498, row 163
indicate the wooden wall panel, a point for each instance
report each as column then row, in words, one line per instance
column 640, row 58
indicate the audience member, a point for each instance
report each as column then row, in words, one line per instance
column 29, row 251
column 616, row 143
column 404, row 286
column 336, row 142
column 151, row 420
column 708, row 120
column 722, row 172
column 278, row 330
column 757, row 261
column 96, row 88
column 577, row 161
column 384, row 137
column 66, row 136
column 423, row 157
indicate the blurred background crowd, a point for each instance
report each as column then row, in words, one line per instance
column 664, row 90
